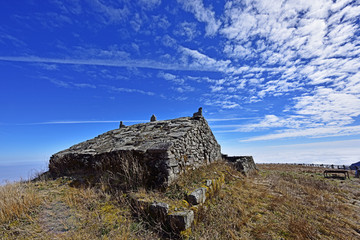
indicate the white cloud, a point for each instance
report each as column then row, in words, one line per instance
column 319, row 132
column 310, row 49
column 4, row 37
column 112, row 13
column 70, row 84
column 143, row 63
column 184, row 88
column 292, row 29
column 268, row 122
column 161, row 22
column 48, row 66
column 329, row 106
column 83, row 122
column 226, row 119
column 202, row 14
column 60, row 83
column 179, row 82
column 237, row 51
column 222, row 102
column 187, row 30
column 195, row 59
column 83, row 85
column 216, row 88
column 136, row 22
column 168, row 41
column 149, row 4
column 128, row 90
column 171, row 77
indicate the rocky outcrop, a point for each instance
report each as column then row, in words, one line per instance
column 161, row 149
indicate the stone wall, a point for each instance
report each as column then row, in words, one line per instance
column 196, row 148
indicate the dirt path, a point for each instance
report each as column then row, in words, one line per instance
column 56, row 218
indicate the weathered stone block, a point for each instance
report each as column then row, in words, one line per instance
column 180, row 221
column 197, row 197
column 208, row 182
column 159, row 211
column 140, row 206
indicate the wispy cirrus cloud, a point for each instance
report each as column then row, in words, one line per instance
column 71, row 84
column 282, row 33
column 112, row 121
column 149, row 4
column 128, row 90
column 301, row 55
column 329, row 106
column 202, row 14
column 307, row 53
column 111, row 12
column 150, row 64
column 319, row 132
column 195, row 59
column 180, row 85
column 188, row 30
column 79, row 122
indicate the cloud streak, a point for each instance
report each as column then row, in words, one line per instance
column 80, row 122
column 320, row 132
column 149, row 64
column 112, row 121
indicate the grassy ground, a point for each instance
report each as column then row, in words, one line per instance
column 279, row 202
column 284, row 202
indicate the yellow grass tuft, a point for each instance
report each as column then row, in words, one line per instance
column 17, row 200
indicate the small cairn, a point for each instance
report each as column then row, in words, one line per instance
column 198, row 114
column 121, row 125
column 153, row 118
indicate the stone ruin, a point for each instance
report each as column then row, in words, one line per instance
column 159, row 151
column 164, row 148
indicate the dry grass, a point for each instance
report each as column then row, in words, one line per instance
column 284, row 202
column 74, row 213
column 117, row 170
column 17, row 200
column 280, row 202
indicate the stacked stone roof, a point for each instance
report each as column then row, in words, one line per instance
column 166, row 147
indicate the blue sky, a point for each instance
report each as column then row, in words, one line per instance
column 278, row 80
